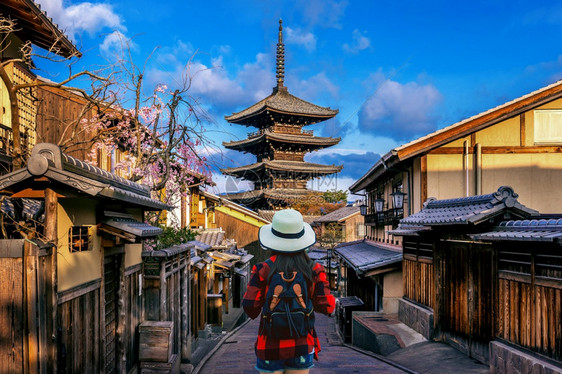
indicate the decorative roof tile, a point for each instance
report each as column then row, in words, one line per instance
column 547, row 230
column 467, row 210
column 48, row 160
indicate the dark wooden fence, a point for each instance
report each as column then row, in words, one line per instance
column 418, row 272
column 166, row 285
column 465, row 295
column 529, row 308
column 26, row 294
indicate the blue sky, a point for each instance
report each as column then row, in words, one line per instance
column 395, row 70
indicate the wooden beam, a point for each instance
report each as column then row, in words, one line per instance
column 51, row 235
column 498, row 150
column 522, row 129
column 423, row 181
column 33, row 194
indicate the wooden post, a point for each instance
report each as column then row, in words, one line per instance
column 225, row 290
column 31, row 350
column 163, row 315
column 183, row 216
column 121, row 359
column 51, row 236
column 438, row 275
column 185, row 306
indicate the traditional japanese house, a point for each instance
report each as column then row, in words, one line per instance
column 465, row 292
column 342, row 225
column 280, row 174
column 79, row 304
column 516, row 144
column 528, row 300
column 31, row 25
column 373, row 273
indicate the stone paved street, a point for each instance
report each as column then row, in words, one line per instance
column 236, row 354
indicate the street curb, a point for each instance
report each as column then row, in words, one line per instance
column 216, row 348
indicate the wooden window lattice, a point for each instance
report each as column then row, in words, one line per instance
column 79, row 239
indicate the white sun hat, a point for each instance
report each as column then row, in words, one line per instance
column 287, row 232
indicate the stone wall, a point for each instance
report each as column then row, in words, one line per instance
column 507, row 359
column 416, row 317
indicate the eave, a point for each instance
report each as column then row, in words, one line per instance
column 34, row 25
column 480, row 121
column 315, row 142
column 295, row 166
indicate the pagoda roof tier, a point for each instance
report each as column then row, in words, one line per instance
column 281, row 102
column 313, row 142
column 285, row 195
column 253, row 171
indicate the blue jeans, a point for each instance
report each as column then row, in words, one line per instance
column 295, row 363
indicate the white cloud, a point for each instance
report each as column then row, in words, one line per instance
column 301, row 37
column 84, row 17
column 400, row 111
column 312, row 87
column 212, row 82
column 360, row 42
column 114, row 44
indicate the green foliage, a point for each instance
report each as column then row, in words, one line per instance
column 335, row 196
column 172, row 236
column 332, row 234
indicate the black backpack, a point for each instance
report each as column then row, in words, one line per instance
column 288, row 312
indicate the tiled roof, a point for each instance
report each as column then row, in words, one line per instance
column 47, row 160
column 296, row 166
column 339, row 214
column 363, row 256
column 468, row 210
column 548, row 230
column 213, row 237
column 266, row 214
column 128, row 224
column 318, row 141
column 282, row 101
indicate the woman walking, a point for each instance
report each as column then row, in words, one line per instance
column 286, row 290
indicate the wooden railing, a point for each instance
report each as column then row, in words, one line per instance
column 386, row 217
column 7, row 141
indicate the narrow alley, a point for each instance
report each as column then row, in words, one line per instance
column 236, row 354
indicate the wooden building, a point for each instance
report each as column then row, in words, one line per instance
column 462, row 289
column 280, row 174
column 528, row 302
column 516, row 144
column 83, row 255
column 373, row 273
column 32, row 25
column 342, row 225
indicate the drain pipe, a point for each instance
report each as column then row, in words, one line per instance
column 465, row 164
column 478, row 169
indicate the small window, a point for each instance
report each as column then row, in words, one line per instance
column 548, row 126
column 79, row 239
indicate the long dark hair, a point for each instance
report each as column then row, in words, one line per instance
column 290, row 262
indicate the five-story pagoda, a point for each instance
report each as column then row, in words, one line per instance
column 280, row 174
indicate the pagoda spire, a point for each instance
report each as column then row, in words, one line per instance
column 280, row 63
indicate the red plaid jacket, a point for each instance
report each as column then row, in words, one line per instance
column 274, row 349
